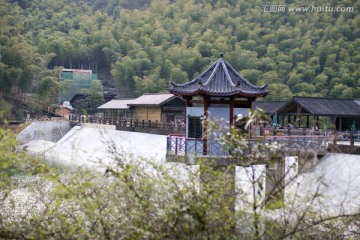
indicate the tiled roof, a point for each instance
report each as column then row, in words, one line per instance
column 327, row 106
column 220, row 79
column 152, row 99
column 116, row 104
column 268, row 107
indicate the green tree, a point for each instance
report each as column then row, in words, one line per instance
column 186, row 34
column 94, row 95
column 279, row 91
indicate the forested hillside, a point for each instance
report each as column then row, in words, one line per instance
column 141, row 46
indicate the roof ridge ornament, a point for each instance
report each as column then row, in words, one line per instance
column 221, row 55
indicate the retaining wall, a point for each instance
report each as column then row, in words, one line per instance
column 51, row 131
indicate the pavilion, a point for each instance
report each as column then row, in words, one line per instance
column 219, row 92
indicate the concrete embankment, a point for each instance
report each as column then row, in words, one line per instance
column 51, row 131
column 96, row 145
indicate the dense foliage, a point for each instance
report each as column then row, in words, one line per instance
column 147, row 44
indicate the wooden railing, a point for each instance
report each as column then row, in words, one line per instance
column 122, row 124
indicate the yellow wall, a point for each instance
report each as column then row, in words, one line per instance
column 148, row 113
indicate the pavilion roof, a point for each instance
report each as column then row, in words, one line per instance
column 325, row 106
column 220, row 79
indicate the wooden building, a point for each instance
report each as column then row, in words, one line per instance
column 307, row 111
column 270, row 108
column 164, row 108
column 219, row 92
column 117, row 109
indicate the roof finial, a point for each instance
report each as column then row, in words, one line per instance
column 222, row 55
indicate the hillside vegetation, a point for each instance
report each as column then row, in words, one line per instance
column 141, row 46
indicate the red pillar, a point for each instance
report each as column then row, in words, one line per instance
column 231, row 117
column 206, row 107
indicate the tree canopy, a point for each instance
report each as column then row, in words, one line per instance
column 141, row 46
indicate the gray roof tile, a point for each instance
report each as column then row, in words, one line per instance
column 220, row 79
column 327, row 106
column 116, row 104
column 152, row 99
column 269, row 107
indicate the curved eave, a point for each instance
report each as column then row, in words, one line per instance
column 263, row 93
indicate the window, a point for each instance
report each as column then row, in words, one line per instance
column 195, row 127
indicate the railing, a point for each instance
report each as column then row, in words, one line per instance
column 92, row 119
column 298, row 142
column 347, row 135
column 341, row 135
column 122, row 124
column 180, row 145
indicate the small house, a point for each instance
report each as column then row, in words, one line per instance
column 115, row 109
column 342, row 114
column 164, row 108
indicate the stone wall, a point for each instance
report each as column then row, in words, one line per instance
column 338, row 148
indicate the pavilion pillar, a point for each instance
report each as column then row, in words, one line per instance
column 206, row 108
column 188, row 101
column 231, row 117
column 289, row 119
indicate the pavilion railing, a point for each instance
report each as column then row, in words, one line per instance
column 179, row 145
